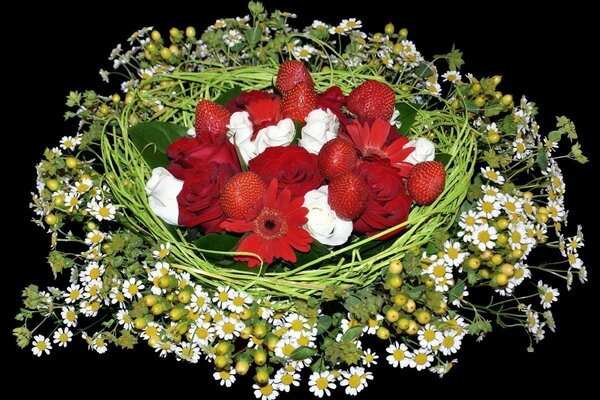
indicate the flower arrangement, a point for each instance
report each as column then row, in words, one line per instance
column 269, row 214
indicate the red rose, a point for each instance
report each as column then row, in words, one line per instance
column 188, row 153
column 292, row 166
column 388, row 203
column 199, row 204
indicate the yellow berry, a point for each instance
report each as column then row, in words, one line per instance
column 150, row 300
column 507, row 269
column 506, row 100
column 497, row 259
column 395, row 281
column 220, row 362
column 155, row 35
column 502, row 224
column 429, row 281
column 260, row 357
column 71, row 162
column 410, row 306
column 242, row 367
column 139, row 323
column 190, row 32
column 246, row 314
column 153, row 341
column 486, row 255
column 260, row 331
column 473, row 263
column 403, row 323
column 50, row 219
column 485, row 273
column 395, row 267
column 377, row 37
column 423, row 316
column 389, row 29
column 184, row 297
column 392, row 315
column 496, row 79
column 479, row 101
column 441, row 310
column 476, row 87
column 413, row 327
column 400, row 300
column 403, row 32
column 165, row 53
column 493, row 138
column 383, row 333
column 517, row 253
column 222, row 348
column 246, row 333
column 52, row 184
column 157, row 309
column 261, row 377
column 501, row 279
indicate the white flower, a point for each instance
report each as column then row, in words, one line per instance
column 162, row 190
column 548, row 295
column 226, row 377
column 281, row 134
column 62, row 336
column 424, row 151
column 321, row 382
column 240, row 132
column 323, row 224
column 355, row 380
column 399, row 355
column 321, row 126
column 40, row 345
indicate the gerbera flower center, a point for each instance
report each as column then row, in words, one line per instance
column 270, row 224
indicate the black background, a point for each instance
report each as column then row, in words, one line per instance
column 542, row 53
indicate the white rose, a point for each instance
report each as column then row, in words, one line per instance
column 424, row 151
column 321, row 126
column 323, row 224
column 162, row 190
column 240, row 132
column 281, row 134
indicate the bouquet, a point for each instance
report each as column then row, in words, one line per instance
column 267, row 198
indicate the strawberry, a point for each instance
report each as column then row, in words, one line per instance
column 426, row 181
column 336, row 157
column 372, row 100
column 299, row 101
column 348, row 196
column 211, row 118
column 240, row 195
column 290, row 74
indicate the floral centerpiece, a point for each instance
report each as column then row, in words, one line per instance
column 266, row 197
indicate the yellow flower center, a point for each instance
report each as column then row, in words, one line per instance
column 354, row 381
column 322, row 383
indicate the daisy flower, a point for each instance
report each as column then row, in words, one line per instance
column 492, row 175
column 548, row 295
column 162, row 252
column 125, row 319
column 102, row 211
column 69, row 316
column 70, row 142
column 439, row 271
column 189, row 352
column 284, row 379
column 72, row 294
column 92, row 273
column 319, row 25
column 351, row 23
column 132, row 288
column 94, row 238
column 62, row 337
column 488, row 207
column 355, row 380
column 450, row 343
column 226, row 377
column 265, row 392
column 223, row 296
column 369, row 358
column 484, row 237
column 452, row 76
column 429, row 336
column 321, row 383
column 99, row 344
column 228, row 328
column 304, row 52
column 239, row 302
column 422, row 359
column 453, row 255
column 277, row 229
column 40, row 345
column 338, row 30
column 399, row 355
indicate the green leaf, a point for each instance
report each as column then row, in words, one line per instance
column 302, row 353
column 415, row 292
column 217, row 242
column 152, row 140
column 352, row 333
column 444, row 158
column 408, row 113
column 298, row 135
column 253, row 35
column 493, row 110
column 317, row 250
column 578, row 154
column 228, row 95
column 423, row 71
column 457, row 291
column 351, row 301
column 324, row 323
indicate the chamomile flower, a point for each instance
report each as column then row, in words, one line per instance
column 99, row 344
column 450, row 343
column 125, row 319
column 223, row 296
column 70, row 142
column 239, row 302
column 101, row 211
column 202, row 333
column 372, row 324
column 304, row 52
column 439, row 271
column 72, row 294
column 132, row 288
column 116, row 296
column 232, row 37
column 355, row 380
column 226, row 377
column 399, row 356
column 92, row 273
column 321, row 383
column 488, row 207
column 228, row 328
column 265, row 392
column 574, row 261
column 69, row 316
column 296, row 323
column 40, row 345
column 199, row 300
column 520, row 149
column 351, row 23
column 62, row 337
column 492, row 175
column 338, row 30
column 548, row 295
column 422, row 359
column 188, row 352
column 433, row 88
column 163, row 251
column 284, row 379
column 369, row 358
column 484, row 237
column 452, row 76
column 94, row 238
column 453, row 255
column 429, row 336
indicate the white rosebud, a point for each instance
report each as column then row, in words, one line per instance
column 240, row 132
column 321, row 126
column 162, row 190
column 281, row 134
column 424, row 151
column 323, row 224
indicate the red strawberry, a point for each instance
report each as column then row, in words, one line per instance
column 211, row 118
column 336, row 157
column 290, row 74
column 372, row 100
column 299, row 101
column 426, row 181
column 240, row 194
column 348, row 196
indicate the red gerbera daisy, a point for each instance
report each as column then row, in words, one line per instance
column 370, row 141
column 276, row 231
column 264, row 112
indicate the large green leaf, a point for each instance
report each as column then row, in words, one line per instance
column 152, row 140
column 217, row 242
column 408, row 113
column 228, row 95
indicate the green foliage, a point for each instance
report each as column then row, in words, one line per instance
column 152, row 139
